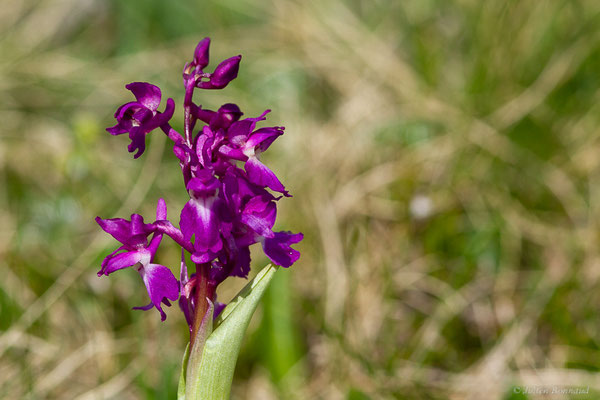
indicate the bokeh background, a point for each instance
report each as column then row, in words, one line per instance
column 444, row 159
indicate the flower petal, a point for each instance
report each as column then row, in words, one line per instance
column 118, row 228
column 161, row 285
column 259, row 214
column 118, row 129
column 278, row 248
column 161, row 209
column 231, row 153
column 107, row 259
column 138, row 141
column 203, row 185
column 226, row 115
column 161, row 118
column 261, row 175
column 146, row 94
column 199, row 219
column 201, row 53
column 263, row 137
column 124, row 260
column 225, row 72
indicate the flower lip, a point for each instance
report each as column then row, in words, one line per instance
column 279, row 250
column 161, row 285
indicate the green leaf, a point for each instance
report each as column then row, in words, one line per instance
column 213, row 373
column 192, row 372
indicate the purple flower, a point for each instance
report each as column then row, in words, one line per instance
column 231, row 203
column 140, row 117
column 138, row 253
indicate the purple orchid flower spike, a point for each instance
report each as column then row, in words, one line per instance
column 231, row 202
column 140, row 117
column 138, row 253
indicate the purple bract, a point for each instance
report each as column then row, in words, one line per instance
column 230, row 206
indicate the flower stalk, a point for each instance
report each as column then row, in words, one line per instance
column 205, row 293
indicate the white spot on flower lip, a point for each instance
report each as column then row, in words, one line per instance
column 145, row 259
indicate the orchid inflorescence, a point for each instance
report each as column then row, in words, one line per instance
column 230, row 207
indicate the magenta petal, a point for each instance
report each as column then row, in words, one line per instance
column 154, row 243
column 261, row 175
column 137, row 225
column 138, row 141
column 204, row 147
column 203, row 114
column 263, row 137
column 119, row 228
column 201, row 53
column 161, row 285
column 146, row 94
column 203, row 257
column 204, row 184
column 199, row 219
column 124, row 260
column 231, row 153
column 162, row 118
column 225, row 72
column 226, row 115
column 125, row 111
column 144, row 308
column 161, row 209
column 259, row 204
column 107, row 259
column 118, row 129
column 262, row 226
column 278, row 248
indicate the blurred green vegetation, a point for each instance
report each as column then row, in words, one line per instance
column 443, row 157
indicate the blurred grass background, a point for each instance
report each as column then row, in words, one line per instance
column 444, row 161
